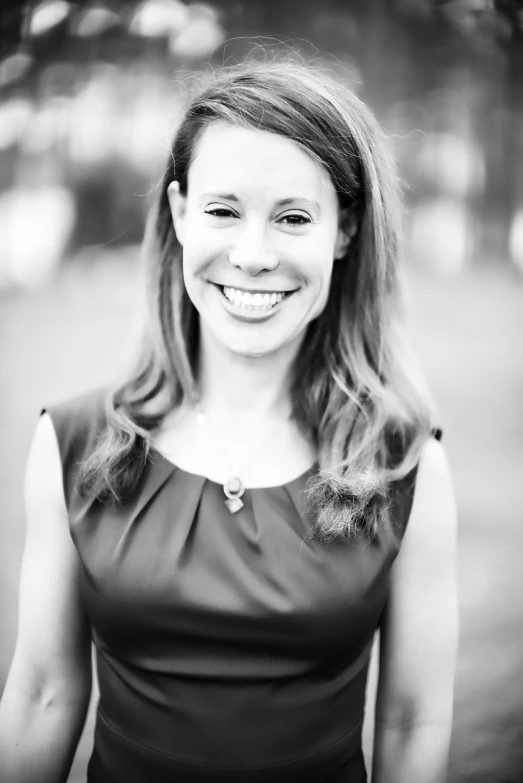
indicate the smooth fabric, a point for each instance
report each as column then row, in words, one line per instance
column 230, row 648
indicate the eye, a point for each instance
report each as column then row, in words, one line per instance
column 295, row 219
column 220, row 212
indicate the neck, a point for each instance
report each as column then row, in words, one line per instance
column 231, row 385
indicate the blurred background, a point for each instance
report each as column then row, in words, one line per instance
column 89, row 94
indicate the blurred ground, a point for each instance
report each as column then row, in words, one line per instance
column 69, row 336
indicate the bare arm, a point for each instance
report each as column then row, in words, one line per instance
column 418, row 637
column 46, row 695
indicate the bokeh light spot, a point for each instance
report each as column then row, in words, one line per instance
column 14, row 67
column 158, row 18
column 47, row 15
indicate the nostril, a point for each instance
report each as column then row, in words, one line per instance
column 253, row 261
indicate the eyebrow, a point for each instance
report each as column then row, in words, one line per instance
column 284, row 202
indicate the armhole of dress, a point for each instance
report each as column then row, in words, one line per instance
column 59, row 439
column 76, row 422
column 406, row 500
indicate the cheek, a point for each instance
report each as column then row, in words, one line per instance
column 319, row 280
column 319, row 249
column 205, row 244
column 198, row 251
column 318, row 260
column 193, row 265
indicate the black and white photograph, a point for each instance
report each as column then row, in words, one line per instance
column 261, row 391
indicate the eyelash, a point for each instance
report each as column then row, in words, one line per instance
column 229, row 213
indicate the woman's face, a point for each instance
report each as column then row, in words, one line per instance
column 260, row 231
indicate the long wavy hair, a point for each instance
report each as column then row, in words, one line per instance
column 355, row 389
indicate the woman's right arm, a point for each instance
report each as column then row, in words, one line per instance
column 46, row 696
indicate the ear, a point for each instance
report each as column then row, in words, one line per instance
column 348, row 226
column 178, row 206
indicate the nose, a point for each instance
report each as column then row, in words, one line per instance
column 253, row 254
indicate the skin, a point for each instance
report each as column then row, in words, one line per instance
column 241, row 228
column 419, row 636
column 280, row 233
column 243, row 378
column 46, row 695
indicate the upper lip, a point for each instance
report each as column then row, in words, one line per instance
column 257, row 290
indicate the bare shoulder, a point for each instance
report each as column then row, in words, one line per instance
column 426, row 562
column 419, row 627
column 43, row 476
column 433, row 470
column 52, row 652
column 433, row 518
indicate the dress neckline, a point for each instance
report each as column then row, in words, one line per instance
column 302, row 477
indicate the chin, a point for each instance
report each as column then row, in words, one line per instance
column 252, row 352
column 240, row 345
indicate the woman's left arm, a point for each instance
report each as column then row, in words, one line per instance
column 418, row 637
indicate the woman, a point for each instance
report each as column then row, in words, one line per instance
column 261, row 493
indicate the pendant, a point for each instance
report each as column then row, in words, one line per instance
column 233, row 489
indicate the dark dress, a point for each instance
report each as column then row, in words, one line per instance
column 229, row 648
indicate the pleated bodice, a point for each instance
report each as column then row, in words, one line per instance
column 229, row 647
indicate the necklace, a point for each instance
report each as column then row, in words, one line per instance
column 233, row 488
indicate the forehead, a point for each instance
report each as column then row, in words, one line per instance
column 231, row 157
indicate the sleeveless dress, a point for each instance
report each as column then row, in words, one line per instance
column 229, row 648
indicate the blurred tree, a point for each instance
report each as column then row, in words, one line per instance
column 511, row 157
column 397, row 53
column 11, row 21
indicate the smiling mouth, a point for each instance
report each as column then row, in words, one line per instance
column 256, row 301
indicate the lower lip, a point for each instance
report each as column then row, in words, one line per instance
column 249, row 315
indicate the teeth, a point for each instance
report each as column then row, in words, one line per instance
column 247, row 301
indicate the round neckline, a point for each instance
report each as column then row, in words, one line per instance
column 201, row 477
